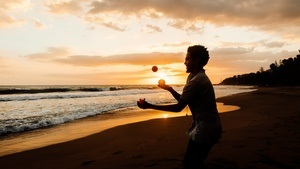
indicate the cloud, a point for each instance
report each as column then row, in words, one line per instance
column 9, row 11
column 53, row 53
column 113, row 26
column 130, row 59
column 38, row 24
column 97, row 78
column 278, row 16
column 274, row 44
column 7, row 20
column 64, row 6
column 190, row 27
column 230, row 51
column 151, row 29
column 62, row 55
column 23, row 5
column 106, row 22
column 245, row 59
column 233, row 58
column 255, row 44
column 150, row 9
column 132, row 7
column 181, row 44
column 76, row 7
column 172, row 45
column 1, row 61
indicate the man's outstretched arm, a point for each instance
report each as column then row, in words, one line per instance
column 175, row 94
column 171, row 107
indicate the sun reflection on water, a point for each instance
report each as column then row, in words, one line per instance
column 165, row 116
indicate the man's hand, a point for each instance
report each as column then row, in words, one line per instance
column 143, row 104
column 164, row 86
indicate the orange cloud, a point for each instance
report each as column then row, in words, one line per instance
column 233, row 58
column 245, row 59
column 15, row 4
column 37, row 23
column 186, row 25
column 53, row 53
column 132, row 59
column 180, row 44
column 63, row 55
column 151, row 29
column 255, row 44
column 10, row 7
column 64, row 7
column 1, row 61
column 224, row 62
column 7, row 20
column 106, row 22
column 278, row 17
column 142, row 76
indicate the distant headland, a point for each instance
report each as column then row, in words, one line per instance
column 284, row 73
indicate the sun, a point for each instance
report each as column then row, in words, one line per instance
column 162, row 75
column 166, row 75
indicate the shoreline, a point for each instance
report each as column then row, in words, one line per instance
column 28, row 140
column 262, row 134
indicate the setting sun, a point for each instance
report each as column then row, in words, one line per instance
column 162, row 75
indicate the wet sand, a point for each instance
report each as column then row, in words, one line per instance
column 81, row 128
column 264, row 133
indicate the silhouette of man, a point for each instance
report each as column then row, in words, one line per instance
column 198, row 94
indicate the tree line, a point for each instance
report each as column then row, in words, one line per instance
column 284, row 73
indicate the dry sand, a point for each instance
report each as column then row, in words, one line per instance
column 263, row 134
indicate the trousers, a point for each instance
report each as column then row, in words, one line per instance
column 195, row 154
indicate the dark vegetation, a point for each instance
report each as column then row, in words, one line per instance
column 284, row 73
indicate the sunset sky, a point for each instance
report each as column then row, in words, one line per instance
column 104, row 42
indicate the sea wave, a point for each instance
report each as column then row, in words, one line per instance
column 6, row 90
column 35, row 122
column 23, row 112
column 44, row 92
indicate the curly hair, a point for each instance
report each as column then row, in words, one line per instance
column 199, row 51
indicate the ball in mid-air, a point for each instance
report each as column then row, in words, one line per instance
column 154, row 68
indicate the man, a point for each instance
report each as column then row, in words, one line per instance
column 198, row 94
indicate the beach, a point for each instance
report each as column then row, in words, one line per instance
column 262, row 133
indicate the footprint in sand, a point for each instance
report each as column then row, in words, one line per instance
column 87, row 163
column 118, row 152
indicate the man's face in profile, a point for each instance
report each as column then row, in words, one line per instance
column 190, row 63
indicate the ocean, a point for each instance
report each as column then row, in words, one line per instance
column 24, row 108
